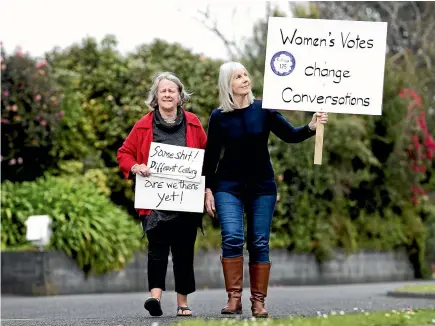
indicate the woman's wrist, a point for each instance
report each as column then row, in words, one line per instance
column 132, row 168
column 311, row 126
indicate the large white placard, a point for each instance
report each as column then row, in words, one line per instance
column 176, row 162
column 169, row 194
column 325, row 65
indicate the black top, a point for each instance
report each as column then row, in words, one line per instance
column 171, row 134
column 243, row 136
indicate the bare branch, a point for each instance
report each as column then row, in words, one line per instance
column 397, row 56
column 355, row 10
column 231, row 46
column 417, row 17
column 268, row 10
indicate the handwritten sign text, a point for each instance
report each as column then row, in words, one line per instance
column 169, row 194
column 176, row 162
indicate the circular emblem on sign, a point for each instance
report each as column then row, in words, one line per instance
column 283, row 63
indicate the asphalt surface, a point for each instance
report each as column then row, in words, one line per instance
column 127, row 308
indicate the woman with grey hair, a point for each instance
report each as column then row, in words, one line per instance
column 167, row 123
column 242, row 178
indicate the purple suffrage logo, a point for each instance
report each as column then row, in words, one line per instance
column 283, row 63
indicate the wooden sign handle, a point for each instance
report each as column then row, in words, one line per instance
column 318, row 148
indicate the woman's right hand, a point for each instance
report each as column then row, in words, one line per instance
column 142, row 169
column 209, row 202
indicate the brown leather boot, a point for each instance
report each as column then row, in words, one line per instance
column 233, row 275
column 259, row 277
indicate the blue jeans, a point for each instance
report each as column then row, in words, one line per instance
column 259, row 211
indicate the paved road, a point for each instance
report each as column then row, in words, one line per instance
column 127, row 309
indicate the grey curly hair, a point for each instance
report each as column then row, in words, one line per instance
column 184, row 96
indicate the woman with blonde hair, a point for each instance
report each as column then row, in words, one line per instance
column 239, row 177
column 167, row 123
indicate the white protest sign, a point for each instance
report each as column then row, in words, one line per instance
column 325, row 65
column 176, row 162
column 168, row 194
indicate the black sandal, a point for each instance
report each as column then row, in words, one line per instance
column 153, row 306
column 182, row 314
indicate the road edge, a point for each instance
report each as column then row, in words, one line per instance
column 405, row 294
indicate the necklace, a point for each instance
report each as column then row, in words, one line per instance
column 170, row 119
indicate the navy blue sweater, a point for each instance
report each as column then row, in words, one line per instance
column 243, row 135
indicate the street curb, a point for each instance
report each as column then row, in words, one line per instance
column 404, row 294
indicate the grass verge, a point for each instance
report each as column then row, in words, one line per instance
column 418, row 317
column 419, row 288
column 426, row 291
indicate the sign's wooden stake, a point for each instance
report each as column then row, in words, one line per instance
column 318, row 147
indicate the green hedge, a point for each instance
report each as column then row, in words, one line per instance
column 105, row 93
column 367, row 194
column 86, row 225
column 31, row 112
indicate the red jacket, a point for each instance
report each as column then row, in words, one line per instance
column 136, row 146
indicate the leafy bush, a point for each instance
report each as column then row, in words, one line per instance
column 198, row 73
column 75, row 136
column 368, row 192
column 106, row 104
column 30, row 114
column 428, row 216
column 86, row 225
column 109, row 93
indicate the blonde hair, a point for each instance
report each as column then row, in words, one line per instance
column 226, row 103
column 184, row 96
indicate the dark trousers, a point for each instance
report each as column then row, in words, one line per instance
column 178, row 236
column 259, row 210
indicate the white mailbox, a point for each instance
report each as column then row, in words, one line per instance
column 38, row 229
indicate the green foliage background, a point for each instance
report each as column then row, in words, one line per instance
column 91, row 95
column 100, row 236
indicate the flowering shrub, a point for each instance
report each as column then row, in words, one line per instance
column 421, row 145
column 30, row 113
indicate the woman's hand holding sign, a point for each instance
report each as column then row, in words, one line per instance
column 142, row 169
column 322, row 117
column 317, row 124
